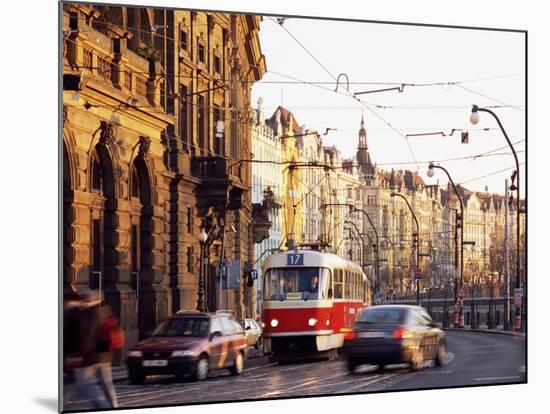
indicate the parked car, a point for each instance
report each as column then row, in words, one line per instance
column 393, row 334
column 253, row 333
column 190, row 343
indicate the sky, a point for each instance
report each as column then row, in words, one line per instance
column 488, row 68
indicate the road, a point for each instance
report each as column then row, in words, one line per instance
column 473, row 358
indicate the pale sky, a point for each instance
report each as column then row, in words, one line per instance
column 492, row 63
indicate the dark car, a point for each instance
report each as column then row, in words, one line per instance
column 190, row 343
column 394, row 334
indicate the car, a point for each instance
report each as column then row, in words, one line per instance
column 190, row 343
column 253, row 333
column 394, row 334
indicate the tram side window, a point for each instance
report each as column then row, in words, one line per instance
column 338, row 284
column 347, row 293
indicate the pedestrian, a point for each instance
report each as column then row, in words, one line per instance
column 99, row 337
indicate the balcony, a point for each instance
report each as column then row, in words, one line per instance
column 219, row 184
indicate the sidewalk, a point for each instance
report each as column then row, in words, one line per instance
column 499, row 330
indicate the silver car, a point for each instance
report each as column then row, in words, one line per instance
column 253, row 333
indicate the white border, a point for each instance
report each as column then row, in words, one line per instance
column 29, row 203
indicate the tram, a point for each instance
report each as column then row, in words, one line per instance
column 310, row 300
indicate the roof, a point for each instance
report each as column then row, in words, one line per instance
column 286, row 117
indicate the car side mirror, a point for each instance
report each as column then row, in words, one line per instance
column 215, row 334
column 247, row 328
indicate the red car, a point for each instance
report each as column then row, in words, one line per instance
column 190, row 343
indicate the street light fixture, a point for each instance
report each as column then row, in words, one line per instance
column 416, row 241
column 474, row 119
column 459, row 222
column 203, row 238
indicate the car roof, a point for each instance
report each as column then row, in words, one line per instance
column 394, row 306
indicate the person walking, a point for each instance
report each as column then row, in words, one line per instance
column 98, row 331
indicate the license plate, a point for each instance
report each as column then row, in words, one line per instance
column 371, row 335
column 156, row 363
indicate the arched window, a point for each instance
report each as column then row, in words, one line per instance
column 135, row 183
column 96, row 173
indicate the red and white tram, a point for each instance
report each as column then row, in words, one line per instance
column 310, row 300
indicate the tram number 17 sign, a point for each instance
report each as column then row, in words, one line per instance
column 295, row 259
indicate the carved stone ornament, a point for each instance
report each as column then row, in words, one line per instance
column 212, row 223
column 107, row 136
column 144, row 145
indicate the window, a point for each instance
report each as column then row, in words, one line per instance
column 218, row 140
column 196, row 327
column 202, row 124
column 217, row 64
column 184, row 40
column 202, row 55
column 185, row 115
column 338, row 284
column 350, row 193
column 96, row 174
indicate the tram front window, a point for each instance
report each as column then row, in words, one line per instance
column 307, row 283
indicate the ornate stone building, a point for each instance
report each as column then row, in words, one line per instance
column 146, row 164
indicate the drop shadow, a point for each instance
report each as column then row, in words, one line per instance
column 50, row 403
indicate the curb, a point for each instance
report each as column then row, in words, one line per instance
column 510, row 333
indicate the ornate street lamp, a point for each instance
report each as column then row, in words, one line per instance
column 459, row 316
column 474, row 119
column 203, row 237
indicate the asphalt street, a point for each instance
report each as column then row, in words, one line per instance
column 473, row 358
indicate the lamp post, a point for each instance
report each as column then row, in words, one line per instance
column 474, row 119
column 416, row 242
column 459, row 222
column 203, row 237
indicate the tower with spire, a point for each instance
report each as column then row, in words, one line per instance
column 363, row 157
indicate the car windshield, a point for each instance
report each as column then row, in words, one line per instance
column 390, row 316
column 304, row 283
column 188, row 326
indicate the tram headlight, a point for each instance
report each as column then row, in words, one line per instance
column 274, row 323
column 312, row 321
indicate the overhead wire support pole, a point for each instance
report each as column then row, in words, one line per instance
column 459, row 224
column 416, row 242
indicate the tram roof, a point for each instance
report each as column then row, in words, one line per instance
column 311, row 258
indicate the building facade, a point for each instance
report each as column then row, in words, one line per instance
column 147, row 167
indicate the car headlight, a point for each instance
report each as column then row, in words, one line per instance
column 184, row 353
column 274, row 323
column 312, row 321
column 136, row 354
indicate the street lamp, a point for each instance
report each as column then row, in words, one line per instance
column 459, row 222
column 474, row 119
column 416, row 241
column 203, row 237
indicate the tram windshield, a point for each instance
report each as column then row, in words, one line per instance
column 304, row 283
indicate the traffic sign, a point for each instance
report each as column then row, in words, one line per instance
column 518, row 296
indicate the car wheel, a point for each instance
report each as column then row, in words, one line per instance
column 441, row 353
column 417, row 361
column 136, row 378
column 201, row 371
column 238, row 365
